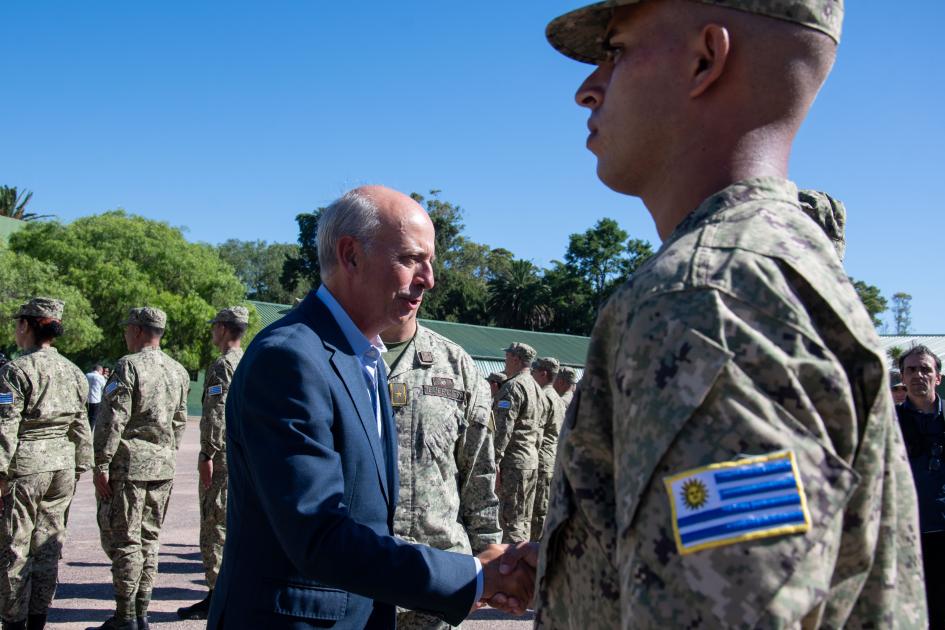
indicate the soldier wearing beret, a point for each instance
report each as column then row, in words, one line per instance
column 544, row 370
column 564, row 384
column 45, row 443
column 731, row 458
column 520, row 411
column 137, row 434
column 227, row 329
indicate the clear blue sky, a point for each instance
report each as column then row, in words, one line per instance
column 229, row 118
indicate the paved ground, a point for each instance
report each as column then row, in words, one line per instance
column 85, row 599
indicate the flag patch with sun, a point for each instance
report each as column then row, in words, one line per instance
column 735, row 501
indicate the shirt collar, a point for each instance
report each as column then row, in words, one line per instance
column 360, row 344
column 936, row 406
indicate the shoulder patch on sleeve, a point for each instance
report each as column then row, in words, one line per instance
column 214, row 390
column 736, row 501
column 504, row 404
column 6, row 398
column 111, row 387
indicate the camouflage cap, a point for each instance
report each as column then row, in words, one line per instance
column 579, row 34
column 497, row 377
column 895, row 379
column 549, row 364
column 41, row 307
column 568, row 374
column 523, row 351
column 232, row 314
column 146, row 316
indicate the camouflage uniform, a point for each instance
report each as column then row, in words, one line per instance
column 569, row 375
column 519, row 414
column 546, row 456
column 137, row 434
column 45, row 443
column 213, row 446
column 447, row 464
column 742, row 336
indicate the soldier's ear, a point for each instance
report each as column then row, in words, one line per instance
column 710, row 54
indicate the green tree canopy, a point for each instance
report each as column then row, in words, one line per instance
column 874, row 302
column 259, row 265
column 23, row 277
column 902, row 312
column 520, row 299
column 302, row 272
column 118, row 261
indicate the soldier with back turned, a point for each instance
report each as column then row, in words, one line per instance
column 545, row 370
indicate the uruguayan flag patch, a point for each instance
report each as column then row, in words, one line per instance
column 111, row 387
column 735, row 501
column 504, row 404
column 6, row 398
column 214, row 390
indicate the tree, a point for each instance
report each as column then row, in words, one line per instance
column 13, row 204
column 118, row 261
column 872, row 300
column 902, row 312
column 23, row 277
column 259, row 265
column 519, row 298
column 301, row 270
column 595, row 254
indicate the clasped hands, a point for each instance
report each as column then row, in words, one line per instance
column 508, row 573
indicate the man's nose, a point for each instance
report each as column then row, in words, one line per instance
column 425, row 276
column 591, row 92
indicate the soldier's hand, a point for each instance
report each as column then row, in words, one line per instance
column 205, row 469
column 516, row 586
column 4, row 488
column 524, row 555
column 102, row 489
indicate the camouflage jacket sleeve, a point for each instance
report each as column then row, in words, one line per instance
column 113, row 414
column 479, row 505
column 180, row 416
column 15, row 389
column 213, row 419
column 507, row 407
column 79, row 433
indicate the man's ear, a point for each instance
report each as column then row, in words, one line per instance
column 712, row 51
column 348, row 253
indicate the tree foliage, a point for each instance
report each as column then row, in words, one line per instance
column 13, row 204
column 902, row 312
column 259, row 266
column 118, row 261
column 874, row 302
column 301, row 272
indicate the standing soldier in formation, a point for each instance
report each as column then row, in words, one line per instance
column 520, row 411
column 137, row 434
column 495, row 383
column 228, row 328
column 544, row 371
column 732, row 457
column 45, row 444
column 442, row 409
column 564, row 384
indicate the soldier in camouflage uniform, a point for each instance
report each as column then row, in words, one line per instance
column 447, row 468
column 520, row 411
column 137, row 434
column 731, row 458
column 564, row 384
column 544, row 371
column 45, row 443
column 228, row 328
column 495, row 381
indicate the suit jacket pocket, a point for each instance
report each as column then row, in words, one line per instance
column 305, row 601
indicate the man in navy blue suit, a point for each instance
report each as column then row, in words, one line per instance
column 311, row 447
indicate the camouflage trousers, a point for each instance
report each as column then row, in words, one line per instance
column 413, row 620
column 213, row 524
column 129, row 523
column 540, row 511
column 32, row 530
column 516, row 501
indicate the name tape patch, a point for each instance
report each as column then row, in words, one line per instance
column 735, row 501
column 504, row 404
column 214, row 390
column 111, row 387
column 6, row 398
column 444, row 392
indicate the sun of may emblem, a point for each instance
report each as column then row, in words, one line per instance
column 694, row 494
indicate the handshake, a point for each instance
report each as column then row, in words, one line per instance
column 508, row 573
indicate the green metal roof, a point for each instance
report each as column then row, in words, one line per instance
column 484, row 343
column 8, row 226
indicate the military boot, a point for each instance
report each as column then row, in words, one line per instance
column 143, row 622
column 200, row 610
column 14, row 625
column 114, row 623
column 36, row 622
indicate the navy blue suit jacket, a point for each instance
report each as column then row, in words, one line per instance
column 311, row 494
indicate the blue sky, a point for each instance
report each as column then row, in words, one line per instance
column 231, row 118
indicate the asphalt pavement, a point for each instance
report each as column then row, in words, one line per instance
column 85, row 597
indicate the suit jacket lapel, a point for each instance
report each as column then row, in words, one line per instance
column 390, row 436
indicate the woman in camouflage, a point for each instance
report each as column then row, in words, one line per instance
column 45, row 443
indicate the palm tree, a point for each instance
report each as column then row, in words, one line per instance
column 520, row 299
column 13, row 205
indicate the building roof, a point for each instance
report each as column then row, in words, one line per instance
column 484, row 344
column 935, row 343
column 8, row 226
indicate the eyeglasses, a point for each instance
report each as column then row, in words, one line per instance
column 935, row 462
